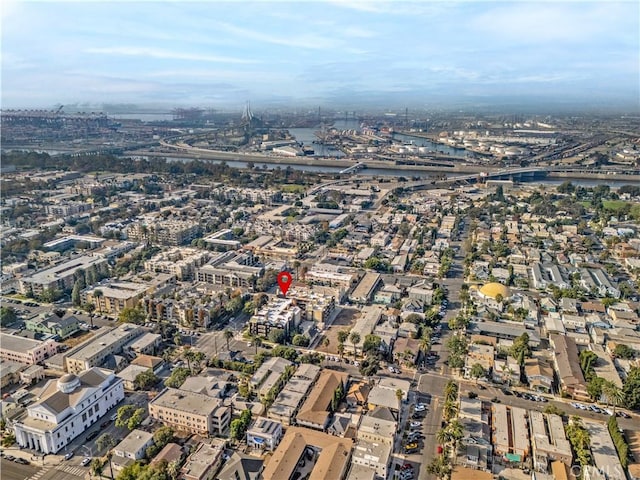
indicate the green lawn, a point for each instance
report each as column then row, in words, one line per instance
column 293, row 188
column 614, row 205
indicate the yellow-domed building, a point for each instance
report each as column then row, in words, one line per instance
column 492, row 290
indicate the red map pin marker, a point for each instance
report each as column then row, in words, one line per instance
column 284, row 280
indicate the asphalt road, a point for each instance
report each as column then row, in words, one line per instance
column 15, row 471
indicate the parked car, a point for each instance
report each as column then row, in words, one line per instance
column 22, row 461
column 415, row 424
column 93, row 435
column 68, row 455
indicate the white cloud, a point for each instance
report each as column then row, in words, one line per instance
column 166, row 54
column 308, row 41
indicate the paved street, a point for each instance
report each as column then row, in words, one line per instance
column 14, row 471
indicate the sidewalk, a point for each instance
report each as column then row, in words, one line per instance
column 36, row 458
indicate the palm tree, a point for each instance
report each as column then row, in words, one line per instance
column 198, row 358
column 443, row 436
column 189, row 355
column 341, row 349
column 342, row 336
column 450, row 390
column 228, row 335
column 425, row 344
column 355, row 339
column 325, row 342
column 456, row 430
column 97, row 467
column 109, row 455
column 449, row 410
column 612, row 394
column 258, row 343
column 477, row 371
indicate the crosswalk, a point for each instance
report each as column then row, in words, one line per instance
column 39, row 473
column 73, row 470
column 76, row 471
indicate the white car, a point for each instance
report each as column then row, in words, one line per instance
column 85, row 461
column 415, row 424
column 420, row 408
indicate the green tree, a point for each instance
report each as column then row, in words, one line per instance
column 75, row 293
column 132, row 315
column 163, row 436
column 97, row 466
column 371, row 344
column 342, row 336
column 477, row 371
column 124, row 414
column 612, row 394
column 50, row 295
column 189, row 355
column 300, row 340
column 594, row 387
column 177, row 377
column 277, row 335
column 440, row 467
column 136, row 419
column 9, row 439
column 354, row 337
column 520, row 348
column 105, row 442
column 228, row 335
column 146, row 380
column 631, row 389
column 7, row 316
column 624, row 351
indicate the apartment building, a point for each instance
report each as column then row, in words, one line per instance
column 107, row 343
column 510, row 432
column 180, row 262
column 363, row 293
column 288, row 401
column 279, row 313
column 268, row 374
column 204, row 462
column 315, row 412
column 329, row 456
column 59, row 277
column 113, row 297
column 548, row 440
column 264, row 434
column 190, row 412
column 567, row 365
column 52, row 324
column 25, row 350
column 166, row 232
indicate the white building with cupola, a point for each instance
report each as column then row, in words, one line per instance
column 66, row 408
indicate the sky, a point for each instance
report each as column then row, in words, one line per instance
column 294, row 53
